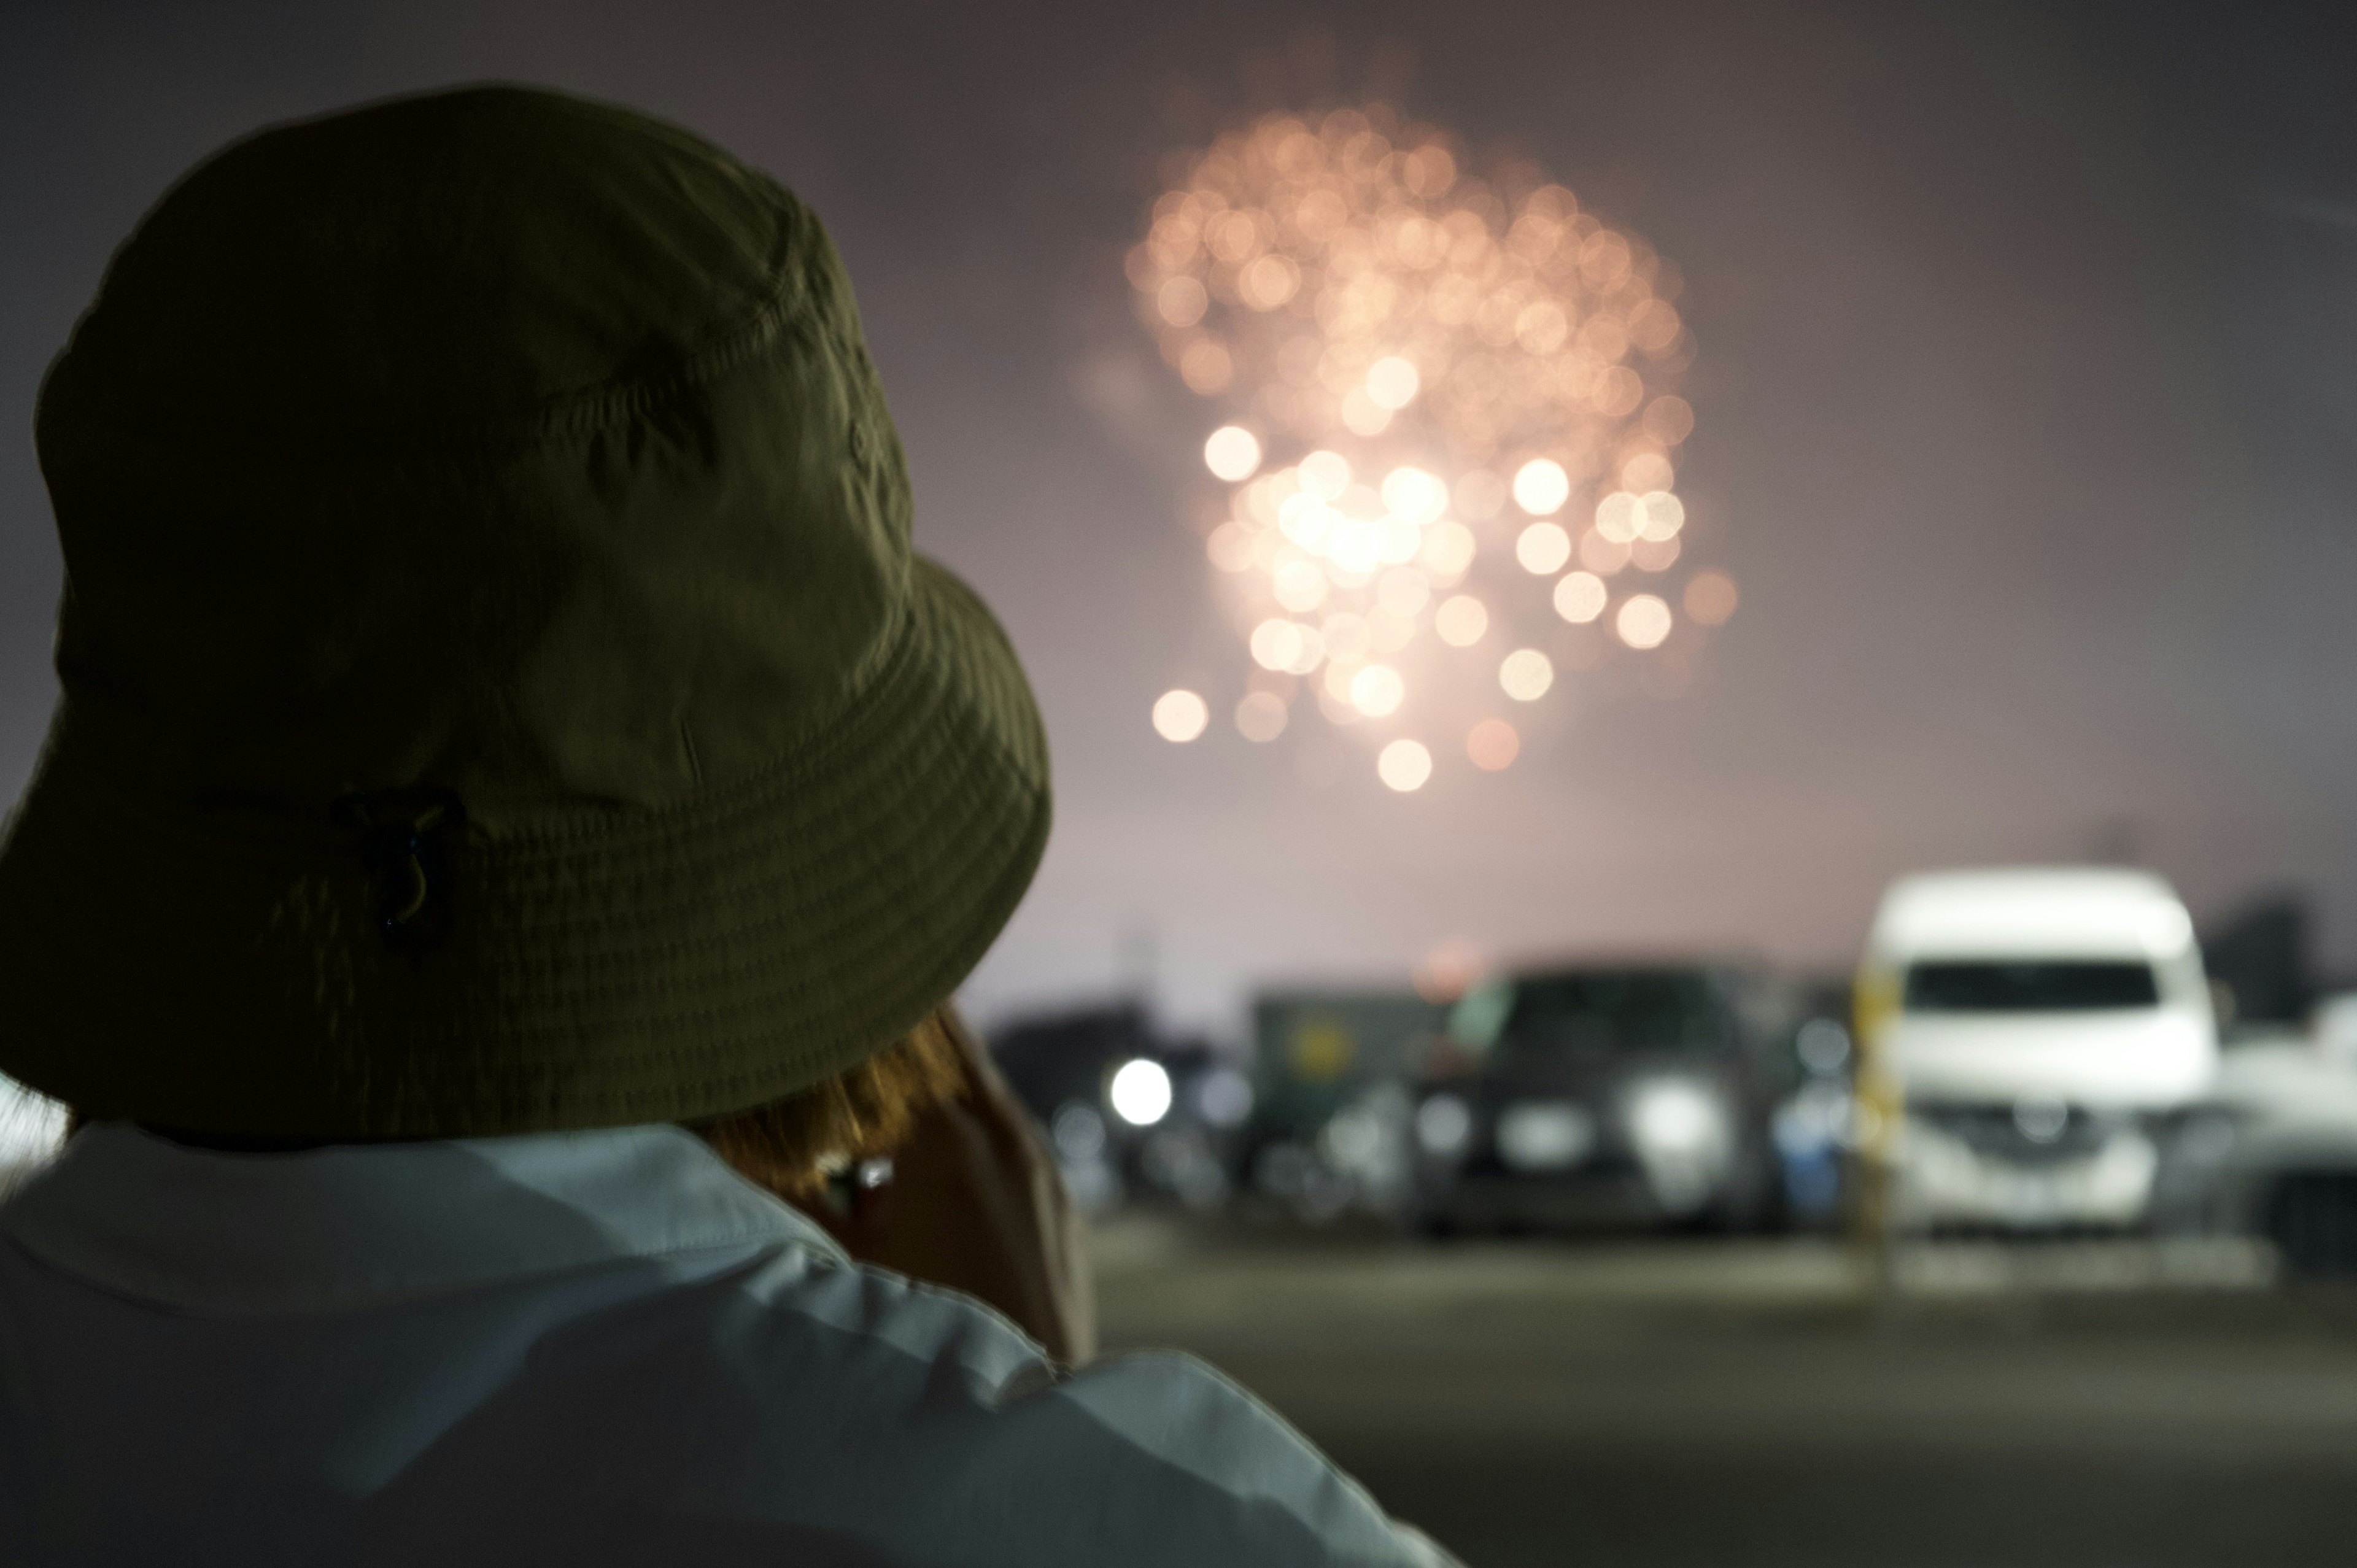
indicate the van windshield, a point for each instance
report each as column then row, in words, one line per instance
column 2030, row 985
column 1615, row 1010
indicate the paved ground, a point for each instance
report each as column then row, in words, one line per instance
column 1720, row 1403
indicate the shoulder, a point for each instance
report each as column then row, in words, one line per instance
column 883, row 1404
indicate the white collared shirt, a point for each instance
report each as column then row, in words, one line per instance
column 575, row 1348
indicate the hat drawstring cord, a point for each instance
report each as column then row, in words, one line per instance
column 402, row 843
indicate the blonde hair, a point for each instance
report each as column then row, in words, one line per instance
column 863, row 1113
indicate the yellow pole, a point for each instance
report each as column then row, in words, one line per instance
column 1880, row 1108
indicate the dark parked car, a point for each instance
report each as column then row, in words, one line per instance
column 1606, row 1095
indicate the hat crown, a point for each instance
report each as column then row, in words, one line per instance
column 494, row 440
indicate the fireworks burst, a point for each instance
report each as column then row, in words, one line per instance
column 1449, row 464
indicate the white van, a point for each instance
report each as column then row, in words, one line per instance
column 2042, row 1028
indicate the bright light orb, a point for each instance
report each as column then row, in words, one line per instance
column 1644, row 621
column 1579, row 597
column 1525, row 674
column 1377, row 691
column 1326, row 475
column 1180, row 716
column 1493, row 744
column 1140, row 1092
column 1413, row 494
column 1275, row 644
column 1261, row 717
column 1663, row 515
column 1232, row 453
column 1620, row 516
column 1403, row 764
column 1543, row 548
column 1393, row 383
column 1460, row 621
column 1541, row 487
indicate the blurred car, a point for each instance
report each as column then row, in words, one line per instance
column 1128, row 1110
column 1328, row 1131
column 1605, row 1095
column 2048, row 1032
column 2272, row 1149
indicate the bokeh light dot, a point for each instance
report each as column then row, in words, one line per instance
column 1326, row 474
column 1525, row 674
column 1403, row 764
column 1393, row 381
column 1232, row 453
column 1644, row 621
column 1543, row 548
column 1710, row 597
column 1541, row 487
column 1377, row 691
column 1493, row 744
column 1180, row 716
column 1579, row 597
column 1261, row 717
column 1460, row 621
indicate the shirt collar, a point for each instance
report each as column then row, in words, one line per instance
column 349, row 1225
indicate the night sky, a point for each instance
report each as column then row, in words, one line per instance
column 2026, row 391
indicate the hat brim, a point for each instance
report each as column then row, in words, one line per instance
column 165, row 964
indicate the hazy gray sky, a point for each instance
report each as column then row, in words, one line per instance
column 2025, row 394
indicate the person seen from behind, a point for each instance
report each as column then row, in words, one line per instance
column 516, row 813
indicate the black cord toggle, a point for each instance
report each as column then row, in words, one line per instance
column 403, row 835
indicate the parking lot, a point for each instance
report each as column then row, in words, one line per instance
column 1774, row 1401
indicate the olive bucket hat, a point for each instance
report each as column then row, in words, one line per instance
column 498, row 693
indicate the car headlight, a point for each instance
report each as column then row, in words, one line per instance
column 1140, row 1092
column 1443, row 1124
column 1683, row 1138
column 1675, row 1118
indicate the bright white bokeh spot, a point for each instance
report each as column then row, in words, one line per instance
column 1305, row 519
column 1543, row 548
column 1181, row 716
column 1579, row 597
column 1391, row 383
column 1460, row 621
column 1403, row 764
column 1377, row 691
column 1541, row 487
column 1663, row 515
column 1525, row 674
column 1275, row 644
column 1619, row 516
column 1232, row 453
column 1644, row 621
column 1326, row 475
column 1416, row 495
column 1140, row 1092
